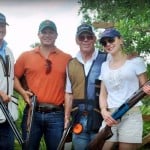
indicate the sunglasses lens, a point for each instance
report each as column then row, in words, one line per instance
column 82, row 37
column 111, row 40
column 48, row 66
column 104, row 43
column 108, row 40
column 89, row 37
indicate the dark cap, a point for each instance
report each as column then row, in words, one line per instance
column 47, row 24
column 84, row 28
column 3, row 19
column 110, row 32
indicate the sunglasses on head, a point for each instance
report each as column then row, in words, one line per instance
column 83, row 37
column 48, row 66
column 107, row 40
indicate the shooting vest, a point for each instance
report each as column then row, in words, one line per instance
column 83, row 87
column 7, row 83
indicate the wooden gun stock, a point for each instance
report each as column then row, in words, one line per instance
column 100, row 138
column 106, row 133
column 10, row 120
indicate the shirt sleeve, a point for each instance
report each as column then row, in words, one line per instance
column 68, row 83
column 19, row 66
column 140, row 66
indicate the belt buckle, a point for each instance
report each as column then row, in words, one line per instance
column 48, row 108
column 40, row 109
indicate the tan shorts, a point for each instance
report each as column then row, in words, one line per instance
column 129, row 129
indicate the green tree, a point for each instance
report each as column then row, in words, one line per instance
column 130, row 17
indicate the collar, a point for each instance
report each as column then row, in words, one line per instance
column 3, row 49
column 55, row 50
column 3, row 46
column 80, row 59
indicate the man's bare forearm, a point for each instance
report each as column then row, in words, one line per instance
column 68, row 108
column 68, row 104
column 24, row 93
column 18, row 87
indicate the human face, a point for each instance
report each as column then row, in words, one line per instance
column 112, row 45
column 86, row 42
column 47, row 37
column 2, row 31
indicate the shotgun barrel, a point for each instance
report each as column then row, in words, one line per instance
column 11, row 122
column 67, row 130
column 98, row 142
column 31, row 111
column 64, row 137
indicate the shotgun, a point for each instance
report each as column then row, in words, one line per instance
column 67, row 131
column 64, row 136
column 11, row 122
column 106, row 133
column 30, row 121
column 31, row 111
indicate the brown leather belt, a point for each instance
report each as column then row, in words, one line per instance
column 47, row 108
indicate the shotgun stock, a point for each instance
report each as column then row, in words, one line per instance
column 10, row 120
column 30, row 121
column 100, row 138
column 106, row 133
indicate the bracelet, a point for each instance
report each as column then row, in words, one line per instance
column 102, row 108
column 67, row 116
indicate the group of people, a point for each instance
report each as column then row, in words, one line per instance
column 62, row 83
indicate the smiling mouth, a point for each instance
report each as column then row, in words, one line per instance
column 47, row 40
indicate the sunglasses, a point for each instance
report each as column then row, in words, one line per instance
column 108, row 40
column 48, row 66
column 83, row 37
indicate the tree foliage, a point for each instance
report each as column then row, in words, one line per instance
column 130, row 17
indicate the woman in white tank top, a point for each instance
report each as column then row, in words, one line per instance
column 121, row 77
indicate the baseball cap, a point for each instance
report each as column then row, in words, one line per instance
column 47, row 24
column 84, row 28
column 110, row 32
column 3, row 19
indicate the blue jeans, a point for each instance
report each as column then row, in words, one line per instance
column 6, row 137
column 81, row 141
column 50, row 125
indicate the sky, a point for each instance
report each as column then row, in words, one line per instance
column 24, row 17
